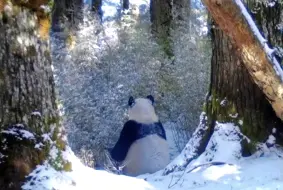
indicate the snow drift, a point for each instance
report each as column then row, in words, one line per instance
column 261, row 171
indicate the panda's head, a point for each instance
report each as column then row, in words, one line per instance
column 141, row 110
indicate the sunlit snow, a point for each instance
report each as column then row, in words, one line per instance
column 259, row 172
column 262, row 172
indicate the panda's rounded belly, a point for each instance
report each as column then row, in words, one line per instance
column 146, row 155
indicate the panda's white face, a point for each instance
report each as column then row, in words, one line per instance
column 142, row 111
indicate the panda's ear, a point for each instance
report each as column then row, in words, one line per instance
column 131, row 101
column 151, row 98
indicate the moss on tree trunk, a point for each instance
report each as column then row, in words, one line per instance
column 233, row 95
column 29, row 122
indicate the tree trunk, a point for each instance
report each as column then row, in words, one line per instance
column 126, row 4
column 230, row 19
column 58, row 17
column 28, row 111
column 74, row 9
column 269, row 20
column 181, row 9
column 96, row 6
column 233, row 94
column 161, row 18
column 67, row 14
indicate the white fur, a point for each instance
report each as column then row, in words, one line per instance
column 147, row 155
column 143, row 111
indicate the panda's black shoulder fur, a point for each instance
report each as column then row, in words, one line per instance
column 131, row 132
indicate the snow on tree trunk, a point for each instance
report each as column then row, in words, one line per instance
column 29, row 122
column 233, row 21
column 194, row 147
column 234, row 98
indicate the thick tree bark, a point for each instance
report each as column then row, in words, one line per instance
column 29, row 121
column 269, row 19
column 230, row 19
column 234, row 95
column 161, row 19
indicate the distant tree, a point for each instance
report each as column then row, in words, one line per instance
column 161, row 19
column 125, row 4
column 66, row 14
column 181, row 9
column 29, row 121
column 96, row 6
column 74, row 10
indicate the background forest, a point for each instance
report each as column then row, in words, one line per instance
column 102, row 57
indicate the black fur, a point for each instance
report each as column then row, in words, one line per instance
column 131, row 132
column 131, row 101
column 151, row 98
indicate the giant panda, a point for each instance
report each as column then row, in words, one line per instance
column 142, row 146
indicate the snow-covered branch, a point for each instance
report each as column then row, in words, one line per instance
column 258, row 58
column 269, row 52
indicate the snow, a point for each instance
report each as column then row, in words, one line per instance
column 46, row 8
column 190, row 150
column 120, row 86
column 234, row 115
column 19, row 133
column 45, row 177
column 261, row 171
column 263, row 41
column 274, row 130
column 271, row 140
column 20, row 125
column 36, row 113
column 223, row 102
column 54, row 152
column 46, row 137
column 38, row 146
column 225, row 137
column 109, row 8
column 271, row 4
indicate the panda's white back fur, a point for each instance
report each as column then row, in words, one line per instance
column 147, row 155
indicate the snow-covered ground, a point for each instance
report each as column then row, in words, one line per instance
column 261, row 171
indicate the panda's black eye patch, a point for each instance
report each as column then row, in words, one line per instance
column 131, row 101
column 151, row 98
